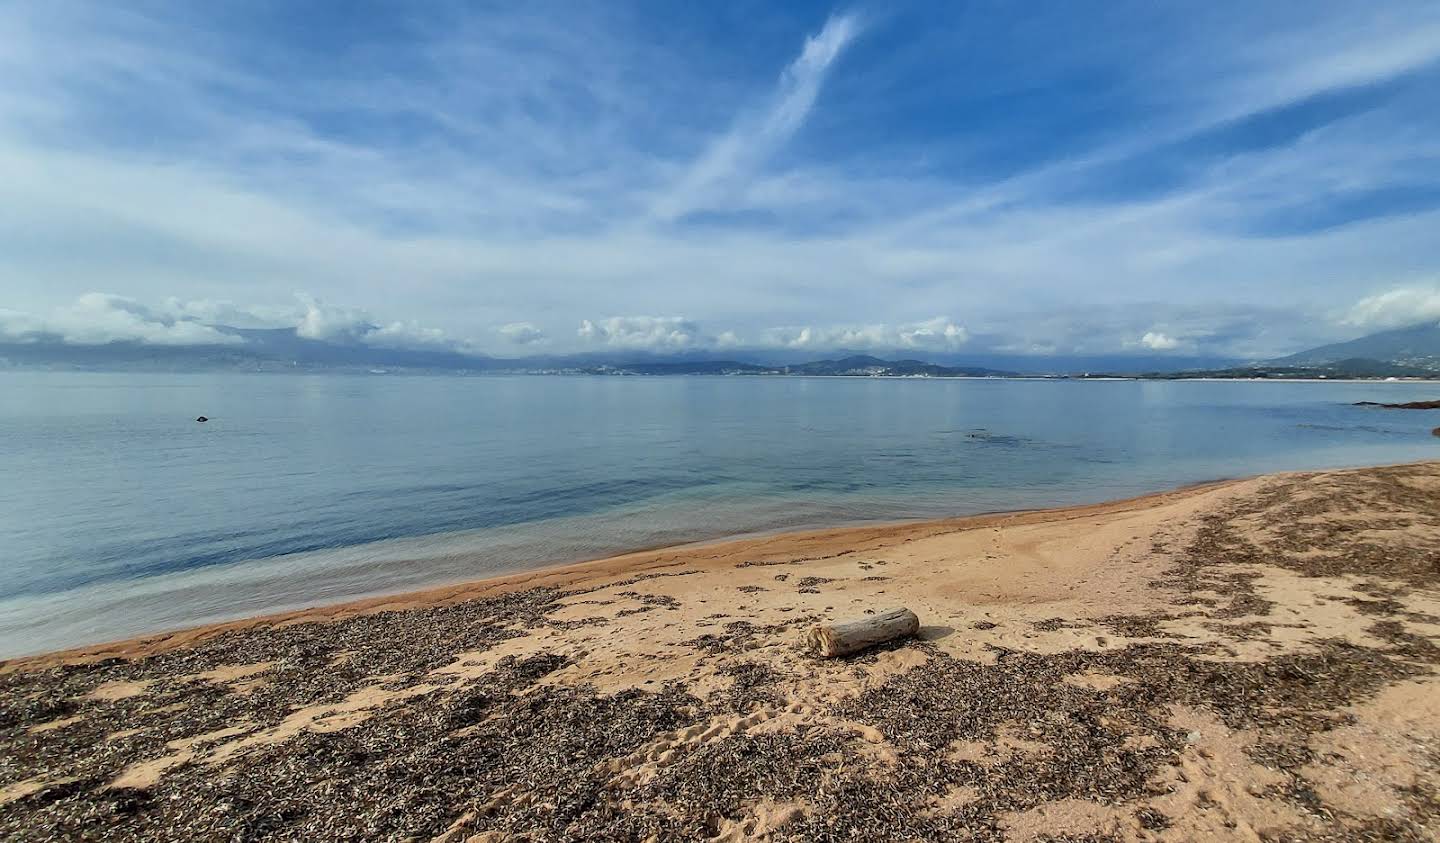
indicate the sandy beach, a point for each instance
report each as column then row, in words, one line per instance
column 1250, row 660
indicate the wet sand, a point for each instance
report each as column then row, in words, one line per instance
column 1240, row 661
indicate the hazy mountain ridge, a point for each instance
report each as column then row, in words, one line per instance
column 1403, row 352
column 280, row 350
column 1410, row 352
column 284, row 350
column 853, row 366
column 1350, row 369
column 1416, row 346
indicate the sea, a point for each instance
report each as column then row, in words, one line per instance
column 122, row 515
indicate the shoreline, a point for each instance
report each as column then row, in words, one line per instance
column 571, row 573
column 579, row 573
column 1245, row 659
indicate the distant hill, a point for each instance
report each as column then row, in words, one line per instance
column 1349, row 369
column 1129, row 363
column 976, row 364
column 283, row 350
column 684, row 367
column 277, row 349
column 854, row 366
column 1416, row 347
column 1406, row 352
column 861, row 364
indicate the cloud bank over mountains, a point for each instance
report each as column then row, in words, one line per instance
column 95, row 319
column 98, row 318
column 1396, row 308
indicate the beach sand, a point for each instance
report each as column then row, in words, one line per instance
column 1251, row 660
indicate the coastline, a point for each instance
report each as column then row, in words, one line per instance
column 91, row 565
column 1246, row 659
column 589, row 572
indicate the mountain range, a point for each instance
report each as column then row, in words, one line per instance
column 1402, row 352
column 859, row 365
column 1417, row 346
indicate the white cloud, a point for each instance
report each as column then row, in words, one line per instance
column 654, row 333
column 521, row 333
column 676, row 333
column 17, row 326
column 334, row 323
column 331, row 323
column 98, row 319
column 412, row 335
column 938, row 334
column 1396, row 308
column 211, row 312
column 1157, row 341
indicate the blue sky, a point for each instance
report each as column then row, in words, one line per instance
column 1218, row 178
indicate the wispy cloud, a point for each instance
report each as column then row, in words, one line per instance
column 731, row 161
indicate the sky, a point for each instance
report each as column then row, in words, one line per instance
column 1220, row 178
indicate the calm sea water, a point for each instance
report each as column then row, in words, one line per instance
column 119, row 514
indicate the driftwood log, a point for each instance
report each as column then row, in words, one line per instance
column 842, row 639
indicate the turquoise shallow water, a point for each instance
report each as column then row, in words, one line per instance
column 119, row 514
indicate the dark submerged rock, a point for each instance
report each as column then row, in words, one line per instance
column 1408, row 405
